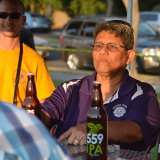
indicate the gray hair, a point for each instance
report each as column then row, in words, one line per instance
column 121, row 29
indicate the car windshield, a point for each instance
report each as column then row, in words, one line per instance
column 149, row 17
column 36, row 15
column 145, row 30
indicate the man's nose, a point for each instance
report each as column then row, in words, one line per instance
column 8, row 18
column 104, row 50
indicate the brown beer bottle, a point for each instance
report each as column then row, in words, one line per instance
column 31, row 103
column 97, row 126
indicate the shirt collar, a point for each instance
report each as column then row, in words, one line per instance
column 126, row 86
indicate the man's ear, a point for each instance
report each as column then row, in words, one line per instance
column 131, row 54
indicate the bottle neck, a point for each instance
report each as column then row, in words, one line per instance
column 31, row 88
column 97, row 100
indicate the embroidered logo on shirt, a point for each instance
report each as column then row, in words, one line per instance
column 119, row 110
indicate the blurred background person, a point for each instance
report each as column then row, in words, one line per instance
column 24, row 137
column 12, row 20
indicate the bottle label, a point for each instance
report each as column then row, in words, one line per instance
column 95, row 139
column 31, row 111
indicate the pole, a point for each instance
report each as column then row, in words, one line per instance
column 130, row 11
column 129, row 19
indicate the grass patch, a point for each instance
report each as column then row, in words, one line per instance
column 158, row 95
column 155, row 148
column 153, row 152
column 57, row 82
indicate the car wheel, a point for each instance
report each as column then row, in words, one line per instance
column 73, row 62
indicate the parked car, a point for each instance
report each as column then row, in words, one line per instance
column 40, row 45
column 152, row 18
column 35, row 21
column 76, row 37
column 148, row 49
column 35, row 42
column 77, row 34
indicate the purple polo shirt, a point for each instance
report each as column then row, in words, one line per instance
column 134, row 100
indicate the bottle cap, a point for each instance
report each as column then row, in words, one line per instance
column 30, row 74
column 96, row 82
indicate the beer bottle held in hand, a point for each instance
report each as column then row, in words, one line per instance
column 31, row 103
column 97, row 140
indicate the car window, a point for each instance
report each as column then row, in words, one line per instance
column 146, row 30
column 149, row 17
column 35, row 15
column 88, row 29
column 73, row 28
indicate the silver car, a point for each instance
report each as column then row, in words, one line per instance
column 35, row 21
column 152, row 18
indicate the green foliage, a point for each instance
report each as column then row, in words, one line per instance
column 156, row 8
column 84, row 7
column 158, row 96
column 87, row 7
column 145, row 5
column 56, row 4
column 27, row 2
column 39, row 4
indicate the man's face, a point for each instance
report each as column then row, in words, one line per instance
column 10, row 26
column 109, row 54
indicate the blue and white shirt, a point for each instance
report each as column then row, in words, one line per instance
column 134, row 100
column 24, row 137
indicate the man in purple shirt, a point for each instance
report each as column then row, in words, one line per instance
column 131, row 105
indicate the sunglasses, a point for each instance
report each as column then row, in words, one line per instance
column 13, row 15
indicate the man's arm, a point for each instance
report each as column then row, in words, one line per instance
column 118, row 131
column 124, row 131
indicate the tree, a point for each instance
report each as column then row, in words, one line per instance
column 79, row 7
column 41, row 5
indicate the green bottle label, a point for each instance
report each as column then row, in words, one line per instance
column 95, row 139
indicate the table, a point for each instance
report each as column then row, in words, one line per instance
column 114, row 153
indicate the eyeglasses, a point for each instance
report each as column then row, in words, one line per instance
column 13, row 15
column 112, row 47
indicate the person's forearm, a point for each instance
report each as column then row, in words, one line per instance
column 124, row 131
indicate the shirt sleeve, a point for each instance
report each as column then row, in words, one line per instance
column 146, row 112
column 56, row 104
column 44, row 83
column 29, row 140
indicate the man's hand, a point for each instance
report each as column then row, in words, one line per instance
column 75, row 135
